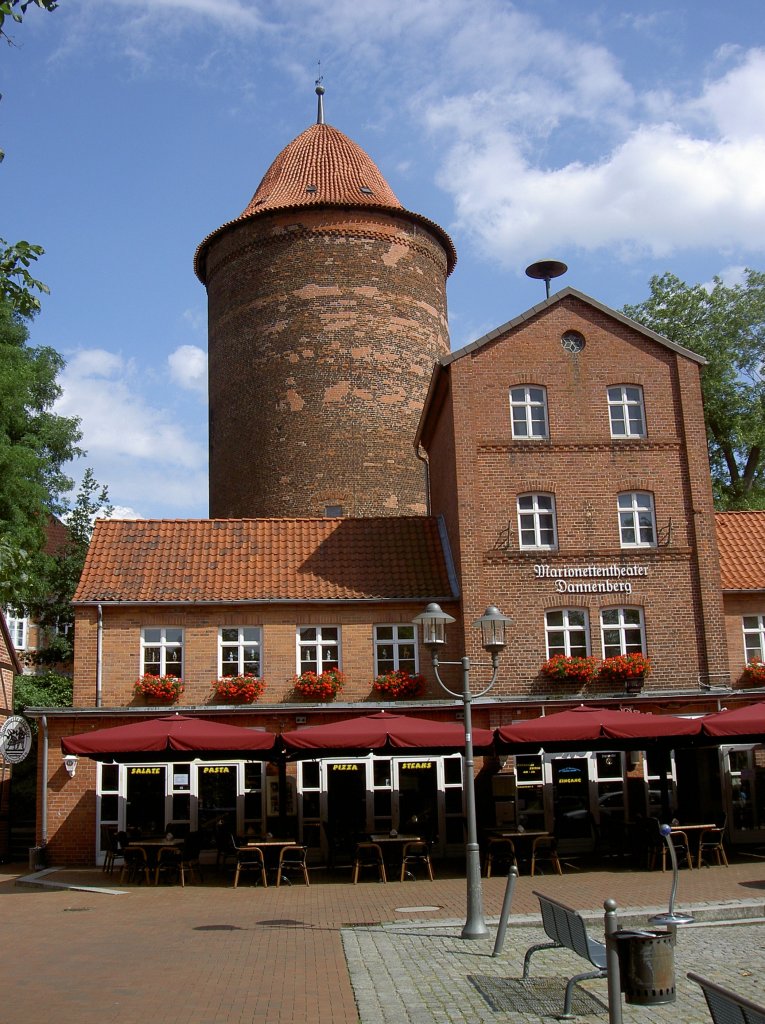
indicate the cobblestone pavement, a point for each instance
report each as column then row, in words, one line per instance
column 337, row 953
column 426, row 974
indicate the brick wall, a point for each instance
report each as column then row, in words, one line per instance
column 585, row 470
column 323, row 330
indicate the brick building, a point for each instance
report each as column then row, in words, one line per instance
column 556, row 467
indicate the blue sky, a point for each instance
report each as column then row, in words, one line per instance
column 624, row 138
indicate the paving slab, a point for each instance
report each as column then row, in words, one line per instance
column 335, row 952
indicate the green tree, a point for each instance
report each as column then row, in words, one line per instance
column 16, row 9
column 51, row 587
column 35, row 445
column 726, row 325
column 17, row 286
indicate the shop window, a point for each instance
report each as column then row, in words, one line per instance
column 637, row 523
column 625, row 410
column 395, row 649
column 318, row 648
column 528, row 410
column 536, row 521
column 162, row 651
column 622, row 631
column 754, row 637
column 239, row 650
column 567, row 632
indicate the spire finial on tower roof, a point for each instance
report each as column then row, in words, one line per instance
column 320, row 94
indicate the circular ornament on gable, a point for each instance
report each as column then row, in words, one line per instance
column 572, row 341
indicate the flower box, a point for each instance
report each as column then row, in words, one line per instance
column 628, row 669
column 163, row 689
column 754, row 672
column 319, row 687
column 398, row 685
column 569, row 668
column 241, row 689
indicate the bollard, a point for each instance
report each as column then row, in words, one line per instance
column 512, row 878
column 610, row 926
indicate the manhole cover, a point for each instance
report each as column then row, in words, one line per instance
column 217, row 928
column 415, row 910
column 75, row 910
column 541, row 996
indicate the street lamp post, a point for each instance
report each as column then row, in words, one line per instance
column 492, row 624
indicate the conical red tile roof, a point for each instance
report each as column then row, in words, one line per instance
column 323, row 167
column 741, row 542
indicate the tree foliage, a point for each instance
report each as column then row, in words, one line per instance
column 16, row 9
column 726, row 325
column 17, row 286
column 35, row 445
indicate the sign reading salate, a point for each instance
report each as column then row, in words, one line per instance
column 591, row 579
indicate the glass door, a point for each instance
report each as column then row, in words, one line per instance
column 146, row 801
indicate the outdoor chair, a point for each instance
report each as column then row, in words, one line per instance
column 544, row 850
column 416, row 853
column 500, row 852
column 292, row 861
column 658, row 845
column 250, row 858
column 181, row 859
column 111, row 848
column 135, row 862
column 711, row 846
column 369, row 855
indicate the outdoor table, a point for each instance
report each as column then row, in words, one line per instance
column 689, row 831
column 153, row 848
column 394, row 844
column 266, row 847
column 522, row 849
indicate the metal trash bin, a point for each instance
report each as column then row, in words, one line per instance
column 37, row 860
column 646, row 966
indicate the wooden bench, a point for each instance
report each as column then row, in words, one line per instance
column 567, row 930
column 725, row 1006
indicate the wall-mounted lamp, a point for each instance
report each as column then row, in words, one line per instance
column 70, row 763
column 300, row 719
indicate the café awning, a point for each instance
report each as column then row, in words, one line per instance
column 746, row 721
column 171, row 735
column 383, row 731
column 585, row 724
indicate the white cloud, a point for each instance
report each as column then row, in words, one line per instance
column 188, row 367
column 133, row 432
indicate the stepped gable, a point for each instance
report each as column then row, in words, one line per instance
column 741, row 542
column 174, row 561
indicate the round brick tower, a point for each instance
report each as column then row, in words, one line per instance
column 327, row 310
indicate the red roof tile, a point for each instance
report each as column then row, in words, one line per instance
column 235, row 560
column 741, row 541
column 323, row 167
column 323, row 159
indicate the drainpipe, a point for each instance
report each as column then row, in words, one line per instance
column 99, row 654
column 44, row 783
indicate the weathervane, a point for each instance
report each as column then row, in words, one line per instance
column 320, row 94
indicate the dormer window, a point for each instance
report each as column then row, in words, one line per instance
column 366, row 190
column 310, row 188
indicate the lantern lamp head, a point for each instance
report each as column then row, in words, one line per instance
column 493, row 625
column 70, row 763
column 433, row 622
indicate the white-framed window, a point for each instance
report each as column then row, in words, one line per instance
column 528, row 409
column 622, row 631
column 396, row 649
column 754, row 637
column 239, row 650
column 625, row 410
column 536, row 521
column 162, row 651
column 567, row 632
column 18, row 627
column 318, row 648
column 637, row 522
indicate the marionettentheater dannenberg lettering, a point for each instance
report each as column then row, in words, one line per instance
column 617, row 577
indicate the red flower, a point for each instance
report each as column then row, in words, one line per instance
column 754, row 672
column 624, row 666
column 241, row 689
column 167, row 688
column 399, row 685
column 562, row 667
column 323, row 687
